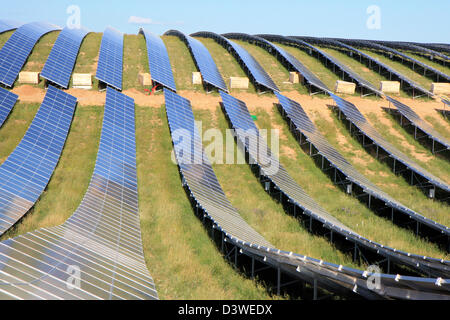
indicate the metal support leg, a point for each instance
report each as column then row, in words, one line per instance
column 253, row 267
column 315, row 289
column 278, row 281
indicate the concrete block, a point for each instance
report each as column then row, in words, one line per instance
column 82, row 81
column 239, row 82
column 295, row 77
column 197, row 78
column 390, row 86
column 344, row 87
column 440, row 88
column 145, row 79
column 29, row 77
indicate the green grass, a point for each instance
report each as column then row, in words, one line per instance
column 278, row 73
column 182, row 258
column 259, row 209
column 39, row 55
column 436, row 65
column 376, row 171
column 226, row 63
column 406, row 143
column 15, row 126
column 359, row 68
column 314, row 65
column 5, row 36
column 135, row 61
column 345, row 208
column 70, row 180
column 88, row 57
column 182, row 64
column 401, row 68
column 438, row 126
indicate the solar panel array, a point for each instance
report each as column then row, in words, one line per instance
column 402, row 78
column 101, row 240
column 303, row 123
column 356, row 117
column 344, row 68
column 256, row 70
column 16, row 50
column 249, row 137
column 7, row 25
column 27, row 171
column 291, row 60
column 110, row 60
column 253, row 69
column 386, row 49
column 415, row 48
column 203, row 60
column 199, row 174
column 61, row 61
column 203, row 186
column 7, row 102
column 415, row 119
column 158, row 60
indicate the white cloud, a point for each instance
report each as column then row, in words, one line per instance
column 141, row 20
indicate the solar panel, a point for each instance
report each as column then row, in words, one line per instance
column 415, row 48
column 279, row 52
column 199, row 175
column 438, row 73
column 418, row 122
column 258, row 73
column 348, row 44
column 7, row 102
column 303, row 123
column 200, row 180
column 203, row 60
column 59, row 65
column 357, row 118
column 361, row 82
column 7, row 25
column 27, row 171
column 249, row 137
column 158, row 60
column 102, row 239
column 110, row 60
column 18, row 47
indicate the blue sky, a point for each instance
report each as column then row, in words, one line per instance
column 413, row 20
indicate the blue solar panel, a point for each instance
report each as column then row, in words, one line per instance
column 7, row 25
column 257, row 71
column 16, row 50
column 199, row 174
column 102, row 238
column 158, row 60
column 110, row 61
column 203, row 60
column 7, row 102
column 416, row 120
column 358, row 119
column 302, row 122
column 62, row 58
column 26, row 172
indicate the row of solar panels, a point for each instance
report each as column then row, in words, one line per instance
column 391, row 51
column 405, row 82
column 228, row 98
column 417, row 49
column 205, row 190
column 439, row 230
column 102, row 238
